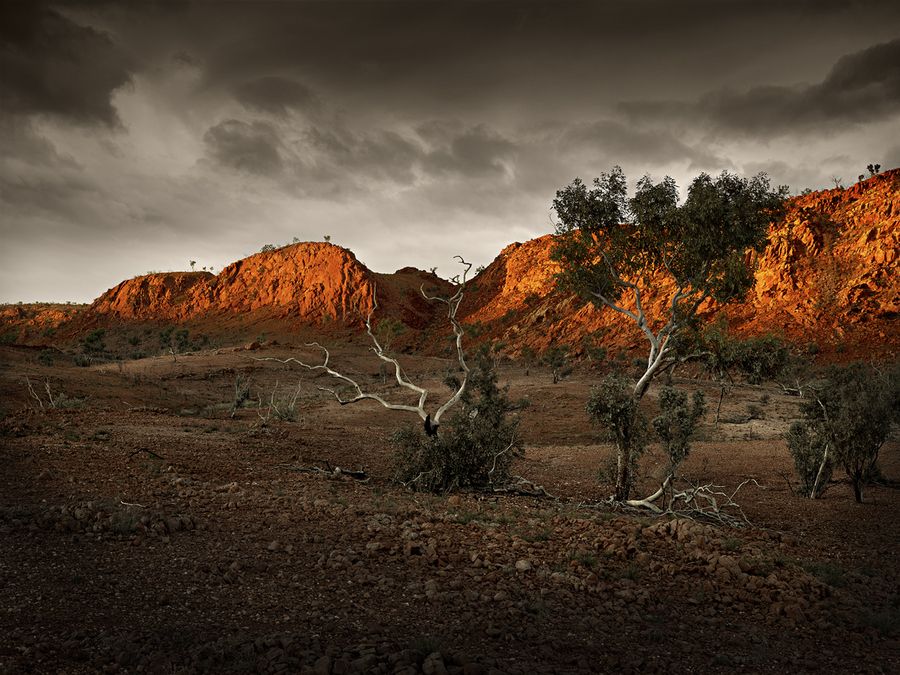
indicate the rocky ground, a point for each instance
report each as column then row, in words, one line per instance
column 145, row 529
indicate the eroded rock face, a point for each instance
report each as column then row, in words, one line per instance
column 307, row 281
column 830, row 268
column 310, row 282
column 162, row 296
column 828, row 275
column 832, row 260
column 34, row 322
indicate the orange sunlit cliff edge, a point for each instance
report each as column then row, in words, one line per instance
column 829, row 274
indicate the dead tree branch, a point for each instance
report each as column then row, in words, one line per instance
column 431, row 422
column 707, row 501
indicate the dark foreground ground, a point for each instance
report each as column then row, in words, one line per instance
column 143, row 529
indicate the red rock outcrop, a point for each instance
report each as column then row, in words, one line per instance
column 151, row 297
column 829, row 272
column 828, row 275
column 304, row 283
column 34, row 322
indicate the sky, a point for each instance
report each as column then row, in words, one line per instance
column 138, row 136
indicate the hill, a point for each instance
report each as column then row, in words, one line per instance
column 828, row 275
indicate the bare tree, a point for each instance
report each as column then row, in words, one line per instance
column 430, row 422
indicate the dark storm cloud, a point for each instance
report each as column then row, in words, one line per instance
column 53, row 65
column 861, row 87
column 251, row 147
column 376, row 155
column 476, row 152
column 613, row 141
column 334, row 160
column 35, row 177
column 275, row 95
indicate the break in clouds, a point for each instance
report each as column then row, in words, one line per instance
column 139, row 136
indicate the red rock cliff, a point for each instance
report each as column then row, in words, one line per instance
column 829, row 272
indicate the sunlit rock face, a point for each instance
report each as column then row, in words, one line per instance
column 828, row 275
column 829, row 271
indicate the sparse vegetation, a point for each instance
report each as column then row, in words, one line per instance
column 476, row 448
column 812, row 464
column 93, row 342
column 676, row 423
column 613, row 250
column 846, row 420
column 612, row 406
column 557, row 360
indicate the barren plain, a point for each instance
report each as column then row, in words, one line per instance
column 144, row 528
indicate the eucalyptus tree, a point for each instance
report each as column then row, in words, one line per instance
column 656, row 260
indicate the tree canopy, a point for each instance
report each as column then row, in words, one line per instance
column 610, row 246
column 608, row 242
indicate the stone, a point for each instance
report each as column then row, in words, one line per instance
column 322, row 666
column 434, row 664
column 523, row 565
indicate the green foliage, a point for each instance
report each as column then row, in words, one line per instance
column 93, row 343
column 474, row 329
column 45, row 358
column 475, row 449
column 852, row 411
column 676, row 423
column 387, row 330
column 528, row 356
column 267, row 248
column 182, row 339
column 615, row 410
column 557, row 359
column 759, row 358
column 605, row 237
column 806, row 443
column 165, row 336
column 595, row 352
column 175, row 340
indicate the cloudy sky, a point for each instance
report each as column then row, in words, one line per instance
column 139, row 136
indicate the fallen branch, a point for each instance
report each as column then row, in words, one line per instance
column 707, row 502
column 523, row 487
column 149, row 452
column 331, row 472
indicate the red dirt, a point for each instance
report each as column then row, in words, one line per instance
column 146, row 530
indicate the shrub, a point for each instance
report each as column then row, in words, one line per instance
column 676, row 423
column 807, row 448
column 760, row 358
column 475, row 449
column 93, row 343
column 851, row 413
column 557, row 359
column 46, row 357
column 241, row 391
column 613, row 407
column 754, row 411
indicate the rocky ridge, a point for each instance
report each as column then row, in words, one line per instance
column 829, row 274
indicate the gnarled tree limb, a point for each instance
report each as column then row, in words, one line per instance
column 431, row 423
